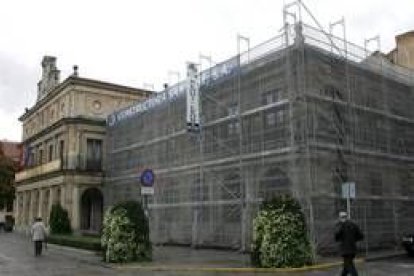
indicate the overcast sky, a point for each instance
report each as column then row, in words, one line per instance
column 136, row 42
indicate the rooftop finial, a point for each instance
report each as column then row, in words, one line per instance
column 75, row 70
column 50, row 77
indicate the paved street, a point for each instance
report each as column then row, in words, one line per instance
column 16, row 258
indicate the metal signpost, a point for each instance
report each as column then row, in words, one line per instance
column 348, row 192
column 147, row 187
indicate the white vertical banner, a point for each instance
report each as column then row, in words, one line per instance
column 193, row 99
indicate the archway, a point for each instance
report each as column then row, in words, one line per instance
column 91, row 210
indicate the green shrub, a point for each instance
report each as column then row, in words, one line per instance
column 280, row 237
column 59, row 220
column 125, row 235
column 89, row 243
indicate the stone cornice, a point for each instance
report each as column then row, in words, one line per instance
column 63, row 172
column 73, row 81
column 65, row 121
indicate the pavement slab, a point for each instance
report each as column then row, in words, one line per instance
column 17, row 258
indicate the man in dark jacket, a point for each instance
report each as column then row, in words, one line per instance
column 347, row 233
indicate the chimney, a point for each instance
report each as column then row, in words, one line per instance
column 75, row 71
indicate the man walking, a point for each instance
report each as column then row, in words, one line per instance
column 347, row 233
column 38, row 232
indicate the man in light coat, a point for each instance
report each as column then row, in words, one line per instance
column 38, row 232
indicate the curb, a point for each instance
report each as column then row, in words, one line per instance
column 63, row 250
column 387, row 256
column 323, row 266
column 71, row 248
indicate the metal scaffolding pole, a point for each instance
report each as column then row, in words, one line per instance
column 202, row 136
column 376, row 39
column 171, row 74
column 243, row 184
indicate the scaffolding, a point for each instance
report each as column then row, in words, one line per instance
column 301, row 113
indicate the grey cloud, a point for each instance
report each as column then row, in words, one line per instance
column 17, row 84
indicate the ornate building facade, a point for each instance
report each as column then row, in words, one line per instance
column 64, row 147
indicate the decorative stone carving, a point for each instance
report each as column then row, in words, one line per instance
column 50, row 77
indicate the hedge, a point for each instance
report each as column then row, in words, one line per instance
column 59, row 220
column 125, row 234
column 280, row 236
column 84, row 242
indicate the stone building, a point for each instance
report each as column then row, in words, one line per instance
column 304, row 113
column 403, row 53
column 64, row 146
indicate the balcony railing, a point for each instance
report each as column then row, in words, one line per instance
column 38, row 170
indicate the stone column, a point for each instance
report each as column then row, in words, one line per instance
column 20, row 209
column 45, row 205
column 24, row 208
column 31, row 207
column 17, row 209
column 62, row 196
column 50, row 202
column 40, row 203
column 75, row 208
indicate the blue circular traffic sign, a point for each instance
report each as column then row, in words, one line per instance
column 147, row 178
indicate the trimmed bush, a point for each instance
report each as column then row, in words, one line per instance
column 280, row 237
column 125, row 235
column 59, row 220
column 88, row 243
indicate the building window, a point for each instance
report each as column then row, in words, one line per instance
column 376, row 184
column 234, row 125
column 50, row 153
column 271, row 96
column 32, row 159
column 274, row 117
column 61, row 152
column 232, row 109
column 94, row 154
column 280, row 116
column 233, row 128
column 40, row 157
column 270, row 119
column 42, row 119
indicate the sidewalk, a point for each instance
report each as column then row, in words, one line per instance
column 174, row 258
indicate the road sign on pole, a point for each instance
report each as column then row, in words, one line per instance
column 348, row 192
column 147, row 190
column 147, row 179
column 147, row 182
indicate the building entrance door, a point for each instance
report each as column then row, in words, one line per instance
column 91, row 210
